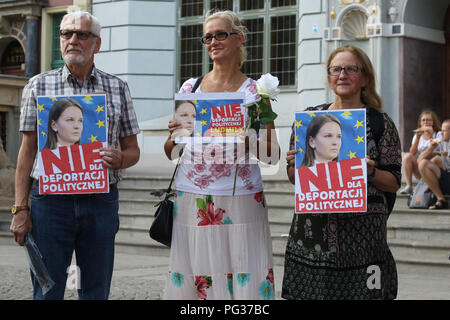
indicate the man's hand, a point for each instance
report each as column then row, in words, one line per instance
column 20, row 226
column 112, row 158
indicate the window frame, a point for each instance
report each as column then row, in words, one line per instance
column 47, row 35
column 266, row 14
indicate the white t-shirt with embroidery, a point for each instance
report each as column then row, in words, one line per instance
column 217, row 178
column 423, row 143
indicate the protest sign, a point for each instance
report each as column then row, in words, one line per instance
column 71, row 130
column 209, row 116
column 330, row 167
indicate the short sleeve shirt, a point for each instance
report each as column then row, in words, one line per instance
column 122, row 121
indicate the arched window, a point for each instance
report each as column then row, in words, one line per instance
column 12, row 59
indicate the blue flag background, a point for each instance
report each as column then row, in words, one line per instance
column 95, row 122
column 353, row 123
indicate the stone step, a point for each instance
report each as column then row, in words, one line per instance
column 433, row 252
column 6, row 238
column 6, row 202
column 5, row 221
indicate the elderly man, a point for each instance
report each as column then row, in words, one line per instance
column 435, row 171
column 88, row 223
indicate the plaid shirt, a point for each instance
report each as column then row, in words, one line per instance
column 122, row 120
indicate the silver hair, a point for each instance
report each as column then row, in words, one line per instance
column 95, row 24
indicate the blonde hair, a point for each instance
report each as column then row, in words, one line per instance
column 436, row 122
column 369, row 95
column 236, row 26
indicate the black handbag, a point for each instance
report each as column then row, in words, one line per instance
column 161, row 228
column 422, row 197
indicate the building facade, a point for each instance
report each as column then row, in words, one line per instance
column 154, row 46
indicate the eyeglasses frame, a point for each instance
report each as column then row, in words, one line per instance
column 202, row 39
column 77, row 32
column 358, row 69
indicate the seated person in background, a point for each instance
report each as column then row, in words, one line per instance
column 437, row 173
column 428, row 127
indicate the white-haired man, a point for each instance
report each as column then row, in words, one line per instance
column 437, row 173
column 86, row 224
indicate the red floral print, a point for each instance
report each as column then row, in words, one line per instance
column 202, row 283
column 259, row 197
column 210, row 216
column 270, row 275
column 220, row 170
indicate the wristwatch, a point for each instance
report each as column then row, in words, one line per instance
column 16, row 209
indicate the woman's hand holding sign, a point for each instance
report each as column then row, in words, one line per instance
column 290, row 159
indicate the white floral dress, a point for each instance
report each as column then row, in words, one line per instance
column 221, row 244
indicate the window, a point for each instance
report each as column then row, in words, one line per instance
column 271, row 41
column 57, row 60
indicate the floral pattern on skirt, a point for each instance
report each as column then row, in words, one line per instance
column 221, row 248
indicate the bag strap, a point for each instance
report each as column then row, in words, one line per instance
column 197, row 84
column 169, row 189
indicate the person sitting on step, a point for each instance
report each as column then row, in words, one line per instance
column 437, row 173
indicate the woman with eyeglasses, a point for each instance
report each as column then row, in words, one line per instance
column 428, row 127
column 345, row 255
column 221, row 243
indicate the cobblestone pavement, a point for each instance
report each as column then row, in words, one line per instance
column 138, row 277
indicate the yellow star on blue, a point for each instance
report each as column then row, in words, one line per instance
column 346, row 114
column 40, row 107
column 100, row 123
column 311, row 114
column 39, row 122
column 351, row 154
column 93, row 138
column 43, row 133
column 203, row 111
column 359, row 124
column 87, row 99
column 53, row 98
column 298, row 124
column 100, row 109
column 300, row 149
column 360, row 139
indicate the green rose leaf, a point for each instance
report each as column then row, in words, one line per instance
column 201, row 203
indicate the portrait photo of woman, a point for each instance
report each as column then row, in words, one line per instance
column 323, row 140
column 65, row 124
column 185, row 114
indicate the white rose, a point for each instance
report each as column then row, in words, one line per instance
column 267, row 86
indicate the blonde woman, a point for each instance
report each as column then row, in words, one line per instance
column 428, row 127
column 221, row 244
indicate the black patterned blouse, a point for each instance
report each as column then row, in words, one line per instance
column 346, row 255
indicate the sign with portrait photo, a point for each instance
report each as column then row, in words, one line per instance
column 330, row 166
column 71, row 130
column 209, row 116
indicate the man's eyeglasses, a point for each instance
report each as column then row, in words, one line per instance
column 81, row 35
column 219, row 36
column 350, row 70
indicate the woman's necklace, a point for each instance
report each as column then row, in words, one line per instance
column 228, row 87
